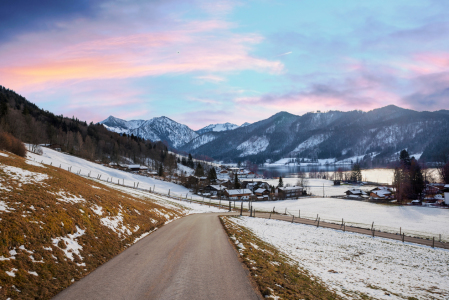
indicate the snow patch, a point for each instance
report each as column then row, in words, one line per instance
column 116, row 224
column 72, row 246
column 23, row 176
column 68, row 198
column 253, row 146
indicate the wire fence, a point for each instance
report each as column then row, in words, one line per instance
column 247, row 207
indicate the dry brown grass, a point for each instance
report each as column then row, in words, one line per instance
column 275, row 274
column 36, row 217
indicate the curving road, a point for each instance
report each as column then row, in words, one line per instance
column 190, row 258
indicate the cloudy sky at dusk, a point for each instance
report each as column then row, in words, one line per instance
column 201, row 62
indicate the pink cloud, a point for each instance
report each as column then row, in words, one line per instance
column 206, row 46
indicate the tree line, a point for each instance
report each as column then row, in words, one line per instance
column 24, row 121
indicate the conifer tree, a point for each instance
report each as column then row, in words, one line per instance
column 356, row 174
column 199, row 171
column 160, row 171
column 236, row 182
column 281, row 183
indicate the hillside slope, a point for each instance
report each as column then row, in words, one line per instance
column 56, row 227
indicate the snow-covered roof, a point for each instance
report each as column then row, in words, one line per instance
column 260, row 190
column 356, row 192
column 239, row 192
column 218, row 187
column 382, row 193
column 133, row 166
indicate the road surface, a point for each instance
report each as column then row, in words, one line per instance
column 190, row 258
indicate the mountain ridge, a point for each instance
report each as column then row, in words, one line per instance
column 331, row 134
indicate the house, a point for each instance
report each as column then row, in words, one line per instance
column 253, row 184
column 133, row 167
column 223, row 175
column 262, row 194
column 238, row 194
column 215, row 190
column 356, row 193
column 337, row 182
column 289, row 192
column 381, row 192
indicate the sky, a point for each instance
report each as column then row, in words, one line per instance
column 203, row 62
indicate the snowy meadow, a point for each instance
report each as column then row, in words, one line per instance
column 351, row 263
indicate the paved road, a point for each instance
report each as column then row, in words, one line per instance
column 190, row 258
column 409, row 239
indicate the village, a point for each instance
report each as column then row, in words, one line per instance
column 240, row 184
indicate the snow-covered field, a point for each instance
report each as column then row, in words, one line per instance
column 414, row 220
column 57, row 158
column 355, row 263
column 418, row 221
column 316, row 186
column 190, row 208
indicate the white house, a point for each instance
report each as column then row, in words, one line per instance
column 238, row 194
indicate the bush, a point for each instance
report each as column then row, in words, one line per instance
column 12, row 144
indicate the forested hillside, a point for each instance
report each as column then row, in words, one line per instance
column 27, row 122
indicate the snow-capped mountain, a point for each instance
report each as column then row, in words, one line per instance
column 330, row 135
column 221, row 127
column 156, row 129
column 119, row 125
column 333, row 134
column 217, row 128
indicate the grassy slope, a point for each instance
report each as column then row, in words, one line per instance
column 34, row 216
column 275, row 274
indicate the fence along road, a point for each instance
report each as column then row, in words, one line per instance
column 400, row 237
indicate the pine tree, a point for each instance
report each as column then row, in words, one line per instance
column 281, row 183
column 199, row 171
column 190, row 161
column 356, row 174
column 404, row 157
column 160, row 171
column 212, row 175
column 236, row 182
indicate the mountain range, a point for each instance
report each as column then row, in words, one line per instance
column 334, row 134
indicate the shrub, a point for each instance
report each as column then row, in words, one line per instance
column 12, row 144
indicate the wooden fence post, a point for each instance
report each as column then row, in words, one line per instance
column 241, row 208
column 293, row 218
column 318, row 224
